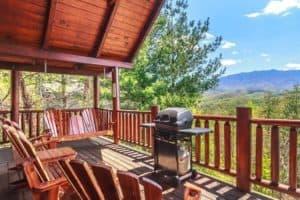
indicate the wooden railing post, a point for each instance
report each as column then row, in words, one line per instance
column 116, row 103
column 243, row 139
column 154, row 112
column 15, row 85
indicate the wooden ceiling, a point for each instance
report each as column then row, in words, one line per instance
column 73, row 36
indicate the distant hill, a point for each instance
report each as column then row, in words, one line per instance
column 270, row 80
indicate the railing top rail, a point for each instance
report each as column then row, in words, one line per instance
column 215, row 117
column 277, row 122
column 133, row 111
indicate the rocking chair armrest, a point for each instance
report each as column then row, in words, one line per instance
column 50, row 143
column 46, row 186
column 41, row 137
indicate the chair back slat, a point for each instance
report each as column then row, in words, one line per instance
column 129, row 184
column 54, row 122
column 152, row 190
column 76, row 125
column 50, row 122
column 89, row 120
column 73, row 179
column 106, row 179
column 15, row 140
column 31, row 152
column 87, row 179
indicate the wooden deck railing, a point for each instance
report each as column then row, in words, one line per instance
column 277, row 129
column 222, row 127
column 226, row 150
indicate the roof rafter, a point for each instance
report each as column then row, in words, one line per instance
column 49, row 24
column 29, row 52
column 147, row 27
column 104, row 29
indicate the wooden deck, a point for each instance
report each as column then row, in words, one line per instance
column 123, row 158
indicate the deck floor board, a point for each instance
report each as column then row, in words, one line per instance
column 122, row 158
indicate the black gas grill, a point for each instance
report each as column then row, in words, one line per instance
column 172, row 151
column 173, row 142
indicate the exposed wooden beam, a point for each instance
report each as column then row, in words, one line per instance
column 104, row 29
column 147, row 28
column 49, row 24
column 50, row 69
column 29, row 52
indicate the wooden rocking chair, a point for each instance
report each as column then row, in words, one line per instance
column 129, row 184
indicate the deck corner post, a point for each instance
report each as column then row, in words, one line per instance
column 243, row 138
column 116, row 103
column 15, row 95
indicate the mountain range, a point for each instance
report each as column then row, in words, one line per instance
column 269, row 80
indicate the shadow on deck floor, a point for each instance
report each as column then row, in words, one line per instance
column 122, row 158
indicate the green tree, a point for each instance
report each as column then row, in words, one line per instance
column 175, row 65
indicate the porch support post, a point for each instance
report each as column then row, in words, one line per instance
column 96, row 92
column 243, row 136
column 15, row 95
column 116, row 103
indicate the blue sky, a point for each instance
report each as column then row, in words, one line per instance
column 258, row 34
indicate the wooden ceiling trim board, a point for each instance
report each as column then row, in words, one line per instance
column 103, row 32
column 50, row 69
column 153, row 16
column 49, row 24
column 29, row 52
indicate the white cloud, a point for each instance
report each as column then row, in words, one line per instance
column 229, row 62
column 209, row 36
column 276, row 7
column 235, row 53
column 228, row 45
column 292, row 66
column 253, row 15
column 264, row 55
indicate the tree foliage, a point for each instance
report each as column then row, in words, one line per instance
column 175, row 65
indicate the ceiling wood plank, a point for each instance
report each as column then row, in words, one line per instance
column 147, row 28
column 49, row 23
column 104, row 29
column 29, row 52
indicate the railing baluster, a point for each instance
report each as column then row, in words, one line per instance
column 206, row 144
column 127, row 126
column 23, row 121
column 274, row 155
column 30, row 124
column 259, row 151
column 217, row 144
column 135, row 127
column 148, row 132
column 37, row 124
column 139, row 129
column 121, row 128
column 293, row 159
column 227, row 146
column 4, row 136
column 197, row 143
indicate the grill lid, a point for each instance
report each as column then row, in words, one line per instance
column 177, row 117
